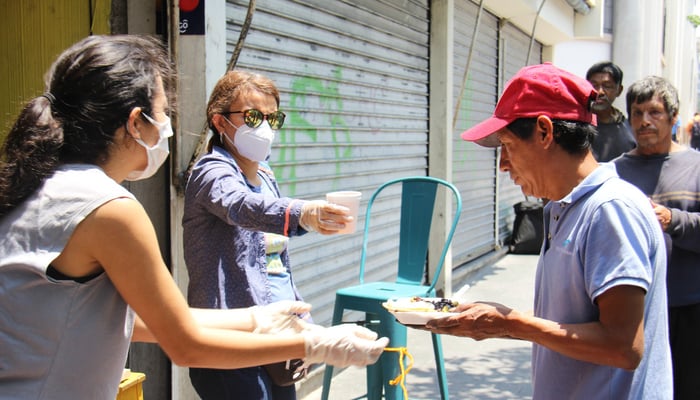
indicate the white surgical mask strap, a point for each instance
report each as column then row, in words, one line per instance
column 230, row 123
column 162, row 132
column 156, row 154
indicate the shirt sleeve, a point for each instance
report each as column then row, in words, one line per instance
column 223, row 192
column 685, row 229
column 617, row 249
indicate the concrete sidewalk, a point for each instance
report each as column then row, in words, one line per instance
column 486, row 370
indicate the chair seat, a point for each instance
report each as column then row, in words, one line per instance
column 383, row 291
column 369, row 297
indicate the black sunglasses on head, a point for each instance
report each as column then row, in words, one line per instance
column 253, row 118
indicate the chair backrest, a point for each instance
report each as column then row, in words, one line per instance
column 418, row 194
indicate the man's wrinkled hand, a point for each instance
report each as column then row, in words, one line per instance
column 475, row 320
column 663, row 215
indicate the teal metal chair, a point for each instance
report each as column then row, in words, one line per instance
column 418, row 196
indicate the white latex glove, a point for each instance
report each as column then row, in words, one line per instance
column 282, row 316
column 343, row 345
column 324, row 217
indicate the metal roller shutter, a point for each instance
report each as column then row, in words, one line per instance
column 499, row 52
column 474, row 166
column 515, row 46
column 353, row 78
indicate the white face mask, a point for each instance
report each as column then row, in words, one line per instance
column 157, row 153
column 254, row 144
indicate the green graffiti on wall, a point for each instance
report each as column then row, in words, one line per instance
column 464, row 115
column 314, row 95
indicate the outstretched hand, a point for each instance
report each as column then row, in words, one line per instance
column 323, row 217
column 478, row 321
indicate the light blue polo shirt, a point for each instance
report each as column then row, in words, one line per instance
column 601, row 235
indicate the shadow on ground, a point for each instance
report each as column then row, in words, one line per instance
column 498, row 375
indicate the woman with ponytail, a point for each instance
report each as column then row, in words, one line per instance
column 81, row 273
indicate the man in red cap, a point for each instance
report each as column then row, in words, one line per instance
column 600, row 318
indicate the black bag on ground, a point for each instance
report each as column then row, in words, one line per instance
column 528, row 229
column 286, row 373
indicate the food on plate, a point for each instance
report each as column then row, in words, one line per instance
column 420, row 304
column 417, row 311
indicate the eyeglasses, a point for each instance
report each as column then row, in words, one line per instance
column 253, row 118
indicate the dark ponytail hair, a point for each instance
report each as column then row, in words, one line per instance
column 90, row 90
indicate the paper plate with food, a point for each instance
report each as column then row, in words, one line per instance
column 419, row 310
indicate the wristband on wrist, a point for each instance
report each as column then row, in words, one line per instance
column 286, row 218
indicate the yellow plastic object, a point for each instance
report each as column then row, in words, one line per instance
column 131, row 388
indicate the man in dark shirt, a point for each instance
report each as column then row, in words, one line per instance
column 614, row 134
column 670, row 175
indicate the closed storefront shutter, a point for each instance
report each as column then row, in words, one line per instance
column 474, row 167
column 488, row 194
column 515, row 46
column 353, row 79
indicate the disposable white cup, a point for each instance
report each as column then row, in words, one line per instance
column 349, row 199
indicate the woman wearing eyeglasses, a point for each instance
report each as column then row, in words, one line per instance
column 237, row 225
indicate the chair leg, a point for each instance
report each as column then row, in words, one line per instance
column 387, row 368
column 375, row 383
column 440, row 366
column 327, row 376
column 328, row 372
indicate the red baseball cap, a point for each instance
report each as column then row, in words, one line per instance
column 536, row 90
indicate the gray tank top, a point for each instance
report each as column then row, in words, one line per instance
column 59, row 339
